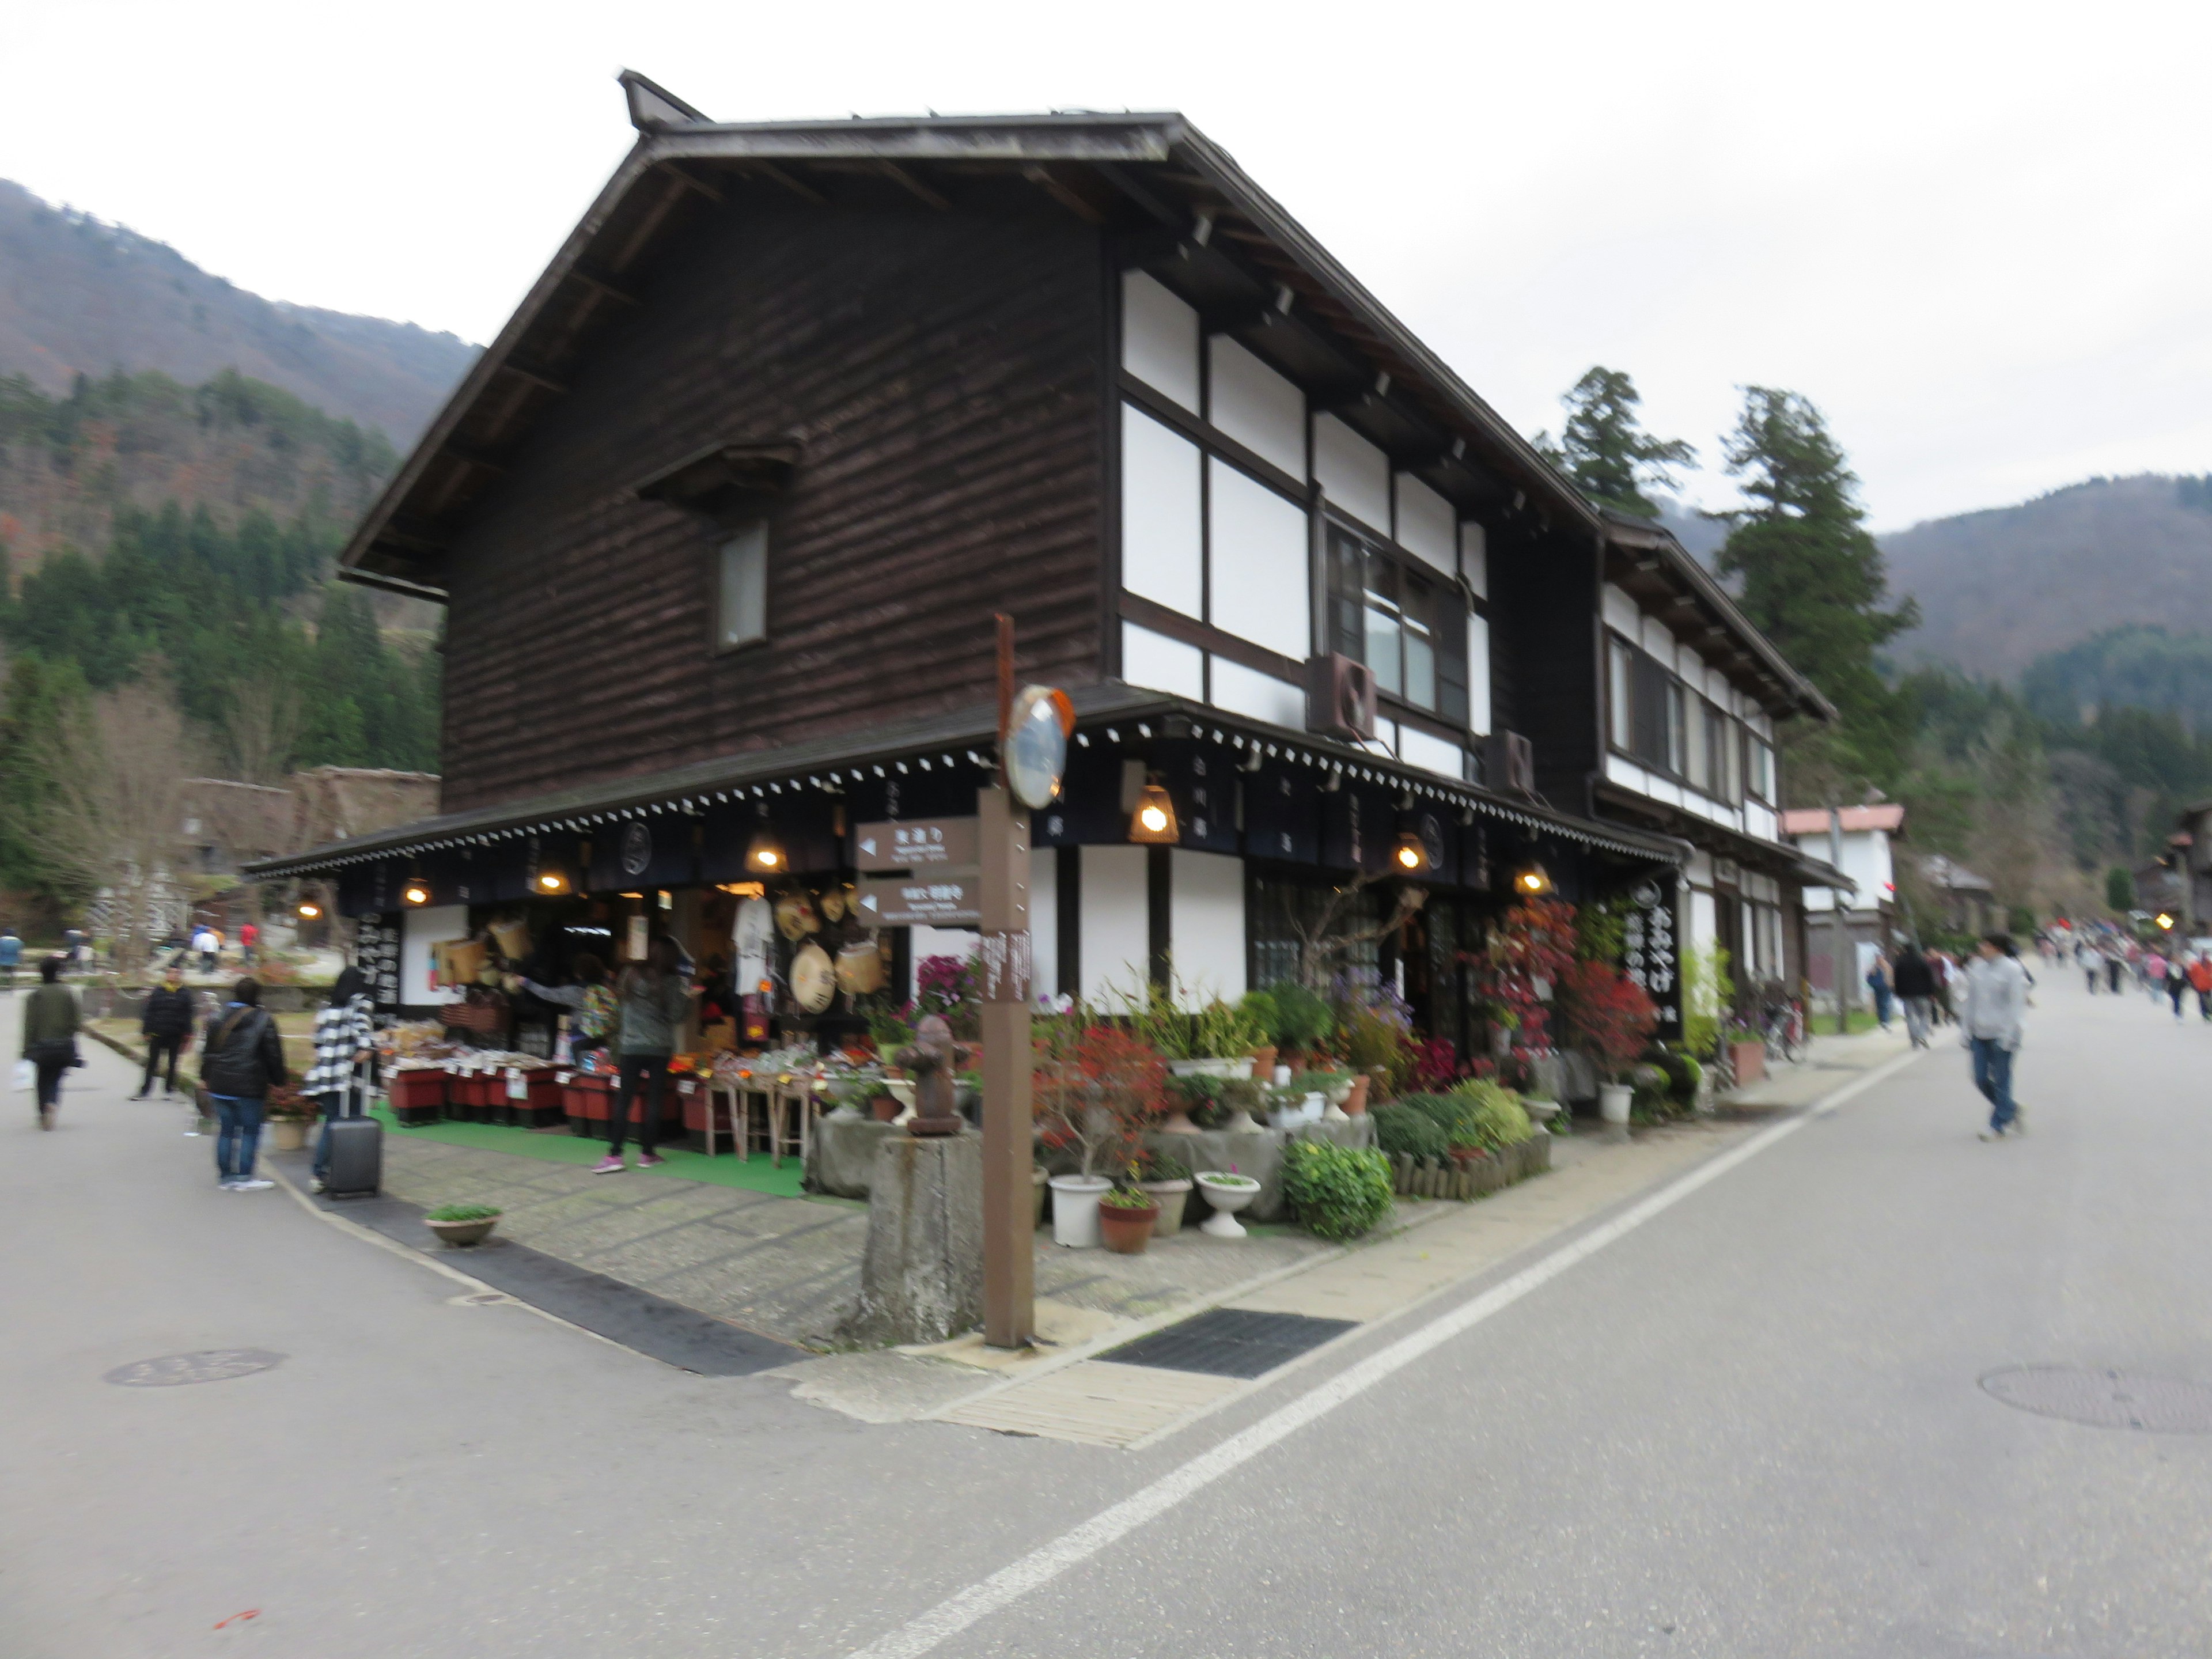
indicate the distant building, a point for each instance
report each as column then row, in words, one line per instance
column 1966, row 901
column 1870, row 912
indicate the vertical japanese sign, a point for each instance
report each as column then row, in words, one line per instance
column 376, row 953
column 1650, row 956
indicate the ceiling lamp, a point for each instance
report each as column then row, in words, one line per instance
column 1410, row 855
column 1153, row 822
column 764, row 854
column 1533, row 882
column 416, row 891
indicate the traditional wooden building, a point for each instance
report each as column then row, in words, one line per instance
column 721, row 519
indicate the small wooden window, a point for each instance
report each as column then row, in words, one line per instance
column 742, row 602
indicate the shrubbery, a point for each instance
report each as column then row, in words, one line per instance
column 1338, row 1192
column 1403, row 1126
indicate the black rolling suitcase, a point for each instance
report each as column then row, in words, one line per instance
column 356, row 1152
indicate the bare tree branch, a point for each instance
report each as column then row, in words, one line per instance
column 1327, row 941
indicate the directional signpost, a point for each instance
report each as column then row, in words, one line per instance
column 924, row 901
column 917, row 845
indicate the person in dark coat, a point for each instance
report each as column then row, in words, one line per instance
column 166, row 1027
column 242, row 1059
column 51, row 1019
column 1913, row 977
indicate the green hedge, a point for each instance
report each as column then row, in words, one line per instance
column 1338, row 1192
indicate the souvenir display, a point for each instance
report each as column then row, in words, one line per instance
column 859, row 968
column 813, row 981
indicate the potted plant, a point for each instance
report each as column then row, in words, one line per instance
column 1746, row 1047
column 1127, row 1215
column 462, row 1224
column 290, row 1112
column 1298, row 1020
column 1239, row 1095
column 1098, row 1088
column 1606, row 1016
column 1338, row 1192
column 1167, row 1178
column 1228, row 1194
column 1186, row 1095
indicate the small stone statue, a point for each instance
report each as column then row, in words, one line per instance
column 929, row 1061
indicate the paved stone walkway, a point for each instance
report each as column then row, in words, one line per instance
column 789, row 1267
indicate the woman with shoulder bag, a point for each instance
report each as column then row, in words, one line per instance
column 51, row 1021
column 240, row 1061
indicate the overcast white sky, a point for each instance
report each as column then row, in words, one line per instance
column 1976, row 235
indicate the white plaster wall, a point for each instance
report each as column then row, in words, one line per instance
column 1354, row 474
column 1417, row 748
column 1161, row 527
column 1620, row 612
column 1044, row 919
column 1259, row 563
column 1627, row 774
column 1477, row 672
column 1116, row 940
column 1155, row 661
column 1259, row 408
column 1705, row 926
column 1206, row 923
column 1474, row 558
column 1159, row 339
column 1244, row 690
column 1427, row 524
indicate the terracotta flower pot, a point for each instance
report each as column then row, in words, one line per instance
column 1355, row 1103
column 885, row 1107
column 1127, row 1231
column 1749, row 1060
column 1263, row 1062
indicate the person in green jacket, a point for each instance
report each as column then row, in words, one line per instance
column 50, row 1020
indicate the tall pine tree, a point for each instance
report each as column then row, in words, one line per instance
column 1810, row 577
column 1604, row 448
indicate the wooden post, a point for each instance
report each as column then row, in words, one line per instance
column 1009, row 1226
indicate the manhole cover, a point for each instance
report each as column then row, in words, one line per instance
column 214, row 1365
column 2105, row 1399
column 1230, row 1342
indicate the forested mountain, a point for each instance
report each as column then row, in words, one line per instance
column 1998, row 589
column 78, row 297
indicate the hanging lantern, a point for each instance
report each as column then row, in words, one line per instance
column 764, row 854
column 416, row 891
column 1533, row 882
column 547, row 882
column 1410, row 856
column 1153, row 822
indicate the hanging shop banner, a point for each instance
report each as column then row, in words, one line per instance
column 1282, row 814
column 1201, row 779
column 938, row 901
column 923, row 846
column 1650, row 958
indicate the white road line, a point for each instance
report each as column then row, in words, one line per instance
column 1039, row 1567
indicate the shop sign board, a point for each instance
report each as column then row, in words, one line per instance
column 916, row 844
column 1648, row 939
column 376, row 952
column 929, row 902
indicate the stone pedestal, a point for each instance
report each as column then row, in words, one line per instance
column 1258, row 1154
column 840, row 1159
column 922, row 1279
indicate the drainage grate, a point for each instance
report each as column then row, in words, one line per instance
column 2105, row 1399
column 213, row 1365
column 1230, row 1342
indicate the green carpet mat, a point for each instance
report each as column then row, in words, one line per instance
column 755, row 1173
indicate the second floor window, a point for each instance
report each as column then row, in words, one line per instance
column 1410, row 628
column 741, row 600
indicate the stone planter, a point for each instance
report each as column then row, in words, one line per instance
column 1226, row 1201
column 1240, row 1067
column 1613, row 1100
column 1075, row 1210
column 458, row 1235
column 1749, row 1060
column 1170, row 1196
column 1126, row 1231
column 287, row 1134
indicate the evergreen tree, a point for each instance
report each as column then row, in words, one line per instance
column 1810, row 577
column 1604, row 448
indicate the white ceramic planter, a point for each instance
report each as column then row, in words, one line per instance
column 1075, row 1210
column 1541, row 1111
column 1226, row 1202
column 1242, row 1067
column 1612, row 1102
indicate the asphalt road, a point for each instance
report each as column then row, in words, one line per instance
column 1752, row 1425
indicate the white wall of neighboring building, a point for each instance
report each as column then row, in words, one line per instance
column 1867, row 861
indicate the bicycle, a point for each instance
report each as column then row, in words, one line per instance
column 1785, row 1031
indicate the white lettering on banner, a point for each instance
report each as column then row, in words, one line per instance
column 1005, row 964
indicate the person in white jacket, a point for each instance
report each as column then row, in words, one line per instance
column 1996, row 1000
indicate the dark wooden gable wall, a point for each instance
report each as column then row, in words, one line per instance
column 1543, row 643
column 943, row 371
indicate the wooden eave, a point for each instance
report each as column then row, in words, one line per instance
column 1213, row 233
column 1646, row 562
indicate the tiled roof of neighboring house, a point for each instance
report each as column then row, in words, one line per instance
column 1814, row 820
column 1942, row 873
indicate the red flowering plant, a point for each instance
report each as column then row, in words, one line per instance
column 1436, row 1065
column 1098, row 1088
column 1605, row 1014
column 1520, row 971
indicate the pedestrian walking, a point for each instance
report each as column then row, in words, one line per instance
column 1946, row 981
column 242, row 1059
column 2173, row 982
column 342, row 1032
column 2114, row 963
column 166, row 1027
column 249, row 936
column 653, row 999
column 52, row 1020
column 204, row 947
column 1996, row 1003
column 590, row 1002
column 1914, row 980
column 2199, row 973
column 2087, row 959
column 11, row 958
column 1878, row 982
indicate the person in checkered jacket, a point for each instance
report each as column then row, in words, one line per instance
column 343, row 1034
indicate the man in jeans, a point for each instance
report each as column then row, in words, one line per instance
column 1997, row 999
column 242, row 1059
column 166, row 1026
column 1915, row 981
